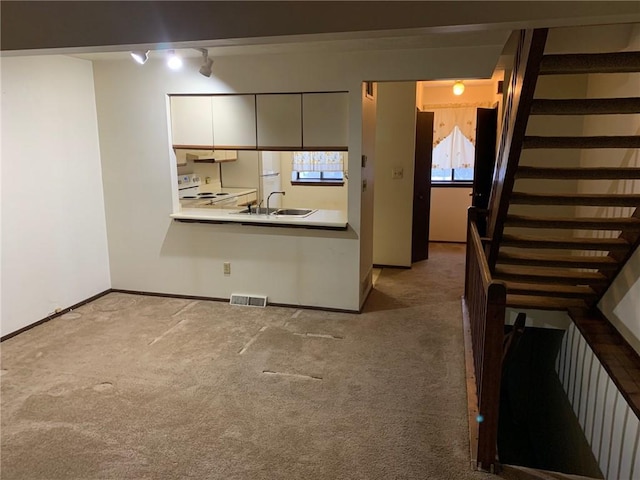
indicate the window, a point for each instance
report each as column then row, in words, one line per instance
column 454, row 128
column 452, row 175
column 317, row 168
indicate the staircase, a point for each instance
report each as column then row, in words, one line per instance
column 555, row 249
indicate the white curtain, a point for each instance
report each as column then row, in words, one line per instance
column 454, row 151
column 318, row 162
column 444, row 119
column 454, row 136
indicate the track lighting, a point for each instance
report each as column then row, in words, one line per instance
column 205, row 69
column 174, row 62
column 458, row 87
column 140, row 56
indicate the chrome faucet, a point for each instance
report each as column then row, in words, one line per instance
column 269, row 198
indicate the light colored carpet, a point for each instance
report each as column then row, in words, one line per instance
column 132, row 387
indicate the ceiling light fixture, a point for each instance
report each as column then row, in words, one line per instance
column 174, row 62
column 458, row 88
column 140, row 56
column 205, row 69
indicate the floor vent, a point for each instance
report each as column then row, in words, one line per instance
column 248, row 300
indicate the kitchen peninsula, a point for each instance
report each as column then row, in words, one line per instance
column 325, row 219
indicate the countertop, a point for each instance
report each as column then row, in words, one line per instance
column 227, row 194
column 330, row 219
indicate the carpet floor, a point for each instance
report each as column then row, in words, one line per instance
column 135, row 387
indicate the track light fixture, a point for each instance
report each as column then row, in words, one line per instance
column 205, row 69
column 140, row 56
column 174, row 62
column 458, row 88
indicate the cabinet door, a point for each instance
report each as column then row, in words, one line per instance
column 234, row 121
column 325, row 119
column 191, row 122
column 279, row 120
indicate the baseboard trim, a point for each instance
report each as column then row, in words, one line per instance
column 226, row 300
column 157, row 294
column 169, row 295
column 400, row 267
column 55, row 315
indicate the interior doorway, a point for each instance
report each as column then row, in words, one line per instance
column 415, row 200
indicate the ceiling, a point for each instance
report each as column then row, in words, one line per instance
column 263, row 27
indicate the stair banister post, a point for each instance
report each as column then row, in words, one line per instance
column 518, row 105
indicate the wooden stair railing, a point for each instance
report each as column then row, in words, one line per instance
column 542, row 259
column 585, row 264
column 534, row 264
column 484, row 310
column 522, row 86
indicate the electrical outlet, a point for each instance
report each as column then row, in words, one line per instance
column 397, row 173
column 226, row 268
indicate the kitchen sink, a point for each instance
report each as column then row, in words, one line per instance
column 281, row 212
column 298, row 212
column 258, row 211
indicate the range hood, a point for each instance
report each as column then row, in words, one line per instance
column 213, row 156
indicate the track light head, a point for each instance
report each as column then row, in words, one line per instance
column 174, row 62
column 140, row 56
column 205, row 69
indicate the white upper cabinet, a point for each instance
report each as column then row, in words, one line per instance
column 191, row 121
column 267, row 121
column 325, row 120
column 279, row 120
column 234, row 121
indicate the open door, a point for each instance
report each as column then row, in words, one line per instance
column 485, row 159
column 422, row 187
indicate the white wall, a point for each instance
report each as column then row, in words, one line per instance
column 473, row 93
column 393, row 197
column 621, row 303
column 609, row 424
column 149, row 252
column 328, row 197
column 54, row 241
column 448, row 217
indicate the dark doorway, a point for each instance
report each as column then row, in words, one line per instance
column 485, row 159
column 422, row 187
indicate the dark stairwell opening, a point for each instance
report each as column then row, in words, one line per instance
column 537, row 426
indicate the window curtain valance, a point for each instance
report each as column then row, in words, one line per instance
column 454, row 135
column 318, row 162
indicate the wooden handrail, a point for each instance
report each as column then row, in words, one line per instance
column 477, row 245
column 528, row 58
column 485, row 301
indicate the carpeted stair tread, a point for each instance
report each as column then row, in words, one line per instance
column 596, row 173
column 594, row 223
column 563, row 291
column 614, row 62
column 618, row 141
column 547, row 260
column 543, row 303
column 589, row 199
column 585, row 106
column 571, row 243
column 548, row 275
